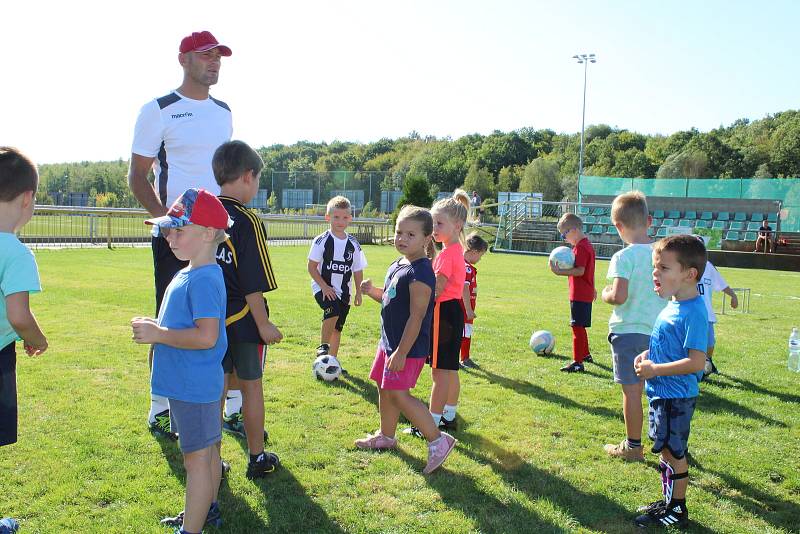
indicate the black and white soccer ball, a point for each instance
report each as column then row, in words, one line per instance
column 327, row 368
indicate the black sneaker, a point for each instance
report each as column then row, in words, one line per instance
column 448, row 425
column 263, row 465
column 652, row 507
column 574, row 367
column 214, row 518
column 665, row 516
column 413, row 431
column 226, row 467
column 234, row 424
column 588, row 359
column 323, row 349
column 469, row 363
column 161, row 427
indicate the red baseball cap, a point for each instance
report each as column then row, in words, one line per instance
column 194, row 206
column 202, row 41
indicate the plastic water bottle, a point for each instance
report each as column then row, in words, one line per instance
column 794, row 351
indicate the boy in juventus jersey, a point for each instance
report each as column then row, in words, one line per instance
column 334, row 261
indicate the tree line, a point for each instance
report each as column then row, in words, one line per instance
column 528, row 159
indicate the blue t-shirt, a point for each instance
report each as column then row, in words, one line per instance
column 396, row 307
column 681, row 325
column 185, row 374
column 18, row 273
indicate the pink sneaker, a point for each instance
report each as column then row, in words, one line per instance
column 438, row 451
column 376, row 441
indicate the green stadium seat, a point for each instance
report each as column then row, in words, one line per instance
column 750, row 236
column 583, row 210
column 757, row 217
column 585, row 228
column 772, row 217
column 719, row 225
column 604, row 220
column 707, row 216
column 723, row 216
column 685, row 223
column 597, row 229
column 737, row 225
column 753, row 226
column 658, row 214
column 674, row 214
column 668, row 222
column 656, row 223
column 662, row 232
column 589, row 219
column 611, row 230
column 701, row 224
column 651, row 231
column 690, row 215
column 732, row 235
column 739, row 216
column 600, row 211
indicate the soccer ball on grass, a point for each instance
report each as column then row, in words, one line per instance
column 326, row 368
column 542, row 342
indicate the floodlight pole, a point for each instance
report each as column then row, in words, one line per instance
column 585, row 59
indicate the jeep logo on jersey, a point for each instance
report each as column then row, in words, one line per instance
column 337, row 267
column 182, row 115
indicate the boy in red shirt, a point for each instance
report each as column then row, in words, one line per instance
column 581, row 289
column 476, row 248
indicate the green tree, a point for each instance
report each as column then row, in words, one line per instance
column 480, row 180
column 684, row 164
column 509, row 177
column 416, row 191
column 542, row 176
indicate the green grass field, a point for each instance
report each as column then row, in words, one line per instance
column 530, row 456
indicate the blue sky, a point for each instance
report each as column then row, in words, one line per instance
column 77, row 73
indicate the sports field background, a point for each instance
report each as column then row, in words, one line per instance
column 530, row 455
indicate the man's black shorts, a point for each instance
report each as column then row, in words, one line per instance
column 8, row 395
column 333, row 308
column 581, row 313
column 165, row 267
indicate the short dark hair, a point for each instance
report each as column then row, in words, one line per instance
column 233, row 159
column 18, row 174
column 689, row 251
column 477, row 243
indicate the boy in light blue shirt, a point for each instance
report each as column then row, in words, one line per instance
column 189, row 343
column 673, row 368
column 636, row 307
column 19, row 277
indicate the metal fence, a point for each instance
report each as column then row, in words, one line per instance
column 295, row 189
column 65, row 227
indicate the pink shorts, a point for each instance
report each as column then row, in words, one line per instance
column 401, row 380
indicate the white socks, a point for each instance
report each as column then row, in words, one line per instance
column 233, row 402
column 437, row 418
column 157, row 405
column 450, row 411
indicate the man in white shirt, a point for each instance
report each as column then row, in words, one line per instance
column 176, row 136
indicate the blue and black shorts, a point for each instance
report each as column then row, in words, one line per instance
column 670, row 420
column 8, row 394
column 580, row 313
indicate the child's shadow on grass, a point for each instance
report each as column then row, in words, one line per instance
column 562, row 357
column 359, row 386
column 524, row 387
column 590, row 510
column 462, row 493
column 779, row 513
column 711, row 402
column 231, row 506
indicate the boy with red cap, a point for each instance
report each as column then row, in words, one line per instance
column 189, row 343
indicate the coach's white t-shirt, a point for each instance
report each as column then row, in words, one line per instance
column 182, row 134
column 338, row 259
column 711, row 281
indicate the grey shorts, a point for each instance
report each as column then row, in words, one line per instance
column 624, row 349
column 198, row 424
column 670, row 420
column 247, row 358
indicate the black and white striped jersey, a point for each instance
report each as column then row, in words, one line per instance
column 338, row 259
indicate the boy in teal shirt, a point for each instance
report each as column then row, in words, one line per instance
column 19, row 277
column 636, row 307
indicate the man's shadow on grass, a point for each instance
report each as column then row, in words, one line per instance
column 711, row 402
column 563, row 358
column 234, row 509
column 523, row 387
column 723, row 380
column 779, row 513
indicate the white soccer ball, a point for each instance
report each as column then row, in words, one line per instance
column 326, row 368
column 542, row 342
column 563, row 257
